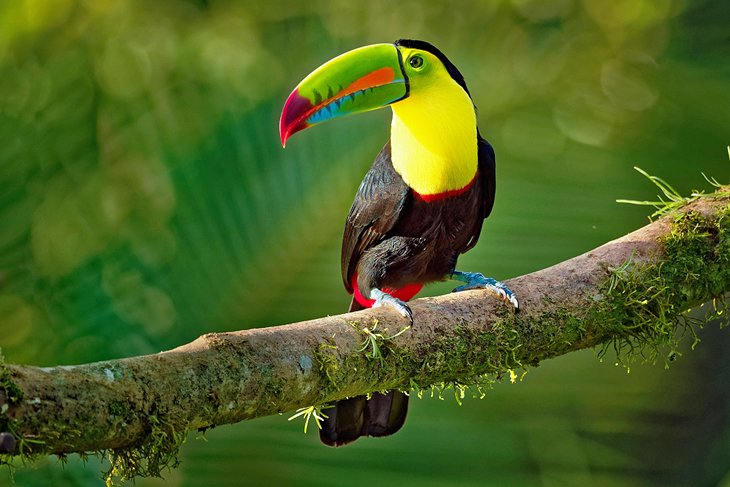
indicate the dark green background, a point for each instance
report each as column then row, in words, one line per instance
column 145, row 199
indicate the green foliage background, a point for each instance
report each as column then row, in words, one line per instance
column 145, row 200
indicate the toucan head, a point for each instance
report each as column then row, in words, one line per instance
column 367, row 78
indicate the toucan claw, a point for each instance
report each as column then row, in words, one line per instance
column 476, row 280
column 384, row 299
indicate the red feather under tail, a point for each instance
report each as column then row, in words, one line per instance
column 406, row 293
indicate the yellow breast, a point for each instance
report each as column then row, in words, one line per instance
column 434, row 138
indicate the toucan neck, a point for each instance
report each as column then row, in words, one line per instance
column 434, row 140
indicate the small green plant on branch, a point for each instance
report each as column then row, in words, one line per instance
column 374, row 339
column 310, row 412
column 671, row 199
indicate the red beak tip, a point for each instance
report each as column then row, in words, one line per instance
column 283, row 131
column 284, row 135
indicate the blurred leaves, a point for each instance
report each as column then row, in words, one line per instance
column 145, row 200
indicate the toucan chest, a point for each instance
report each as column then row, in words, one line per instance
column 447, row 222
column 437, row 232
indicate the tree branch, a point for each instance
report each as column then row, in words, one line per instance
column 633, row 289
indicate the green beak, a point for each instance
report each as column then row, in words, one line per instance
column 363, row 79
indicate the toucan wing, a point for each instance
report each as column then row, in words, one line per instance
column 377, row 207
column 487, row 172
column 487, row 182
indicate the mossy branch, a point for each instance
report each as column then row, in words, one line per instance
column 632, row 293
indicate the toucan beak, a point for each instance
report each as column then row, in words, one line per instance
column 359, row 80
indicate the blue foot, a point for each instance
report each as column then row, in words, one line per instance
column 385, row 299
column 476, row 280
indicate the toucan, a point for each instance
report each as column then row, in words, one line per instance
column 421, row 204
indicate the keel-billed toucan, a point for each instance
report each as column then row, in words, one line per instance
column 421, row 204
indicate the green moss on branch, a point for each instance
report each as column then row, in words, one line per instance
column 646, row 305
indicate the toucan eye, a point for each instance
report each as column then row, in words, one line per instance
column 416, row 61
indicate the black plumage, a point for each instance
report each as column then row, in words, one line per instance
column 393, row 237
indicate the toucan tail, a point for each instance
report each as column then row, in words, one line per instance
column 349, row 419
